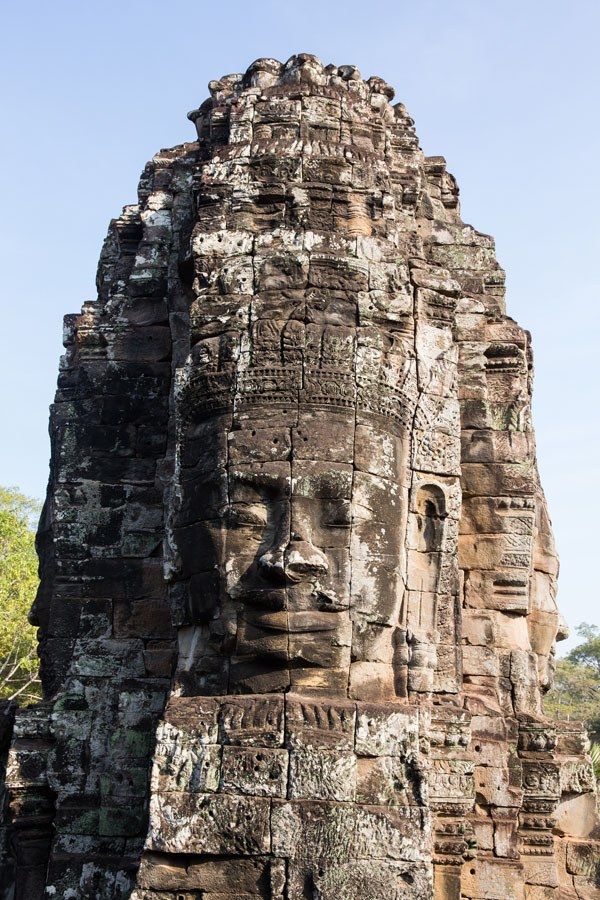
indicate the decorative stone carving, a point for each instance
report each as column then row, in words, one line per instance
column 297, row 611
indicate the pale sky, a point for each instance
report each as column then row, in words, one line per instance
column 507, row 91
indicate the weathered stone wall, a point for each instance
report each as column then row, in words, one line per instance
column 297, row 609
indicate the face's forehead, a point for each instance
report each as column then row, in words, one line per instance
column 311, row 454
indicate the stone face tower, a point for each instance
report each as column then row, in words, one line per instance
column 297, row 612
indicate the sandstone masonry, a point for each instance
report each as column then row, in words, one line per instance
column 297, row 611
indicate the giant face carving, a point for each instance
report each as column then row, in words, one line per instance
column 289, row 522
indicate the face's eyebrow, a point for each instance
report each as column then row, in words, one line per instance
column 273, row 483
column 332, row 485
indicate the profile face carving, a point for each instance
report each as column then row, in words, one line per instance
column 290, row 526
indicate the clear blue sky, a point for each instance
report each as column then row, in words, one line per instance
column 507, row 91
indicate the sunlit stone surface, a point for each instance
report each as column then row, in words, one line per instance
column 297, row 612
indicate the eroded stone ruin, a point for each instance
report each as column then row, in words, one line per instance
column 297, row 611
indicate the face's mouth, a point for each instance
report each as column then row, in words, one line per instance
column 275, row 599
column 301, row 639
column 294, row 596
column 329, row 602
column 310, row 621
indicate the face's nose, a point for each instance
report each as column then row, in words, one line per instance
column 296, row 561
column 304, row 559
column 272, row 564
column 38, row 614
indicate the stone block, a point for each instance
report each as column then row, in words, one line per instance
column 576, row 816
column 340, row 831
column 165, row 872
column 583, row 858
column 450, row 780
column 387, row 780
column 493, row 879
column 262, row 772
column 576, row 777
column 385, row 731
column 505, row 832
column 496, row 787
column 183, row 763
column 480, row 661
column 353, row 878
column 322, row 775
column 252, row 721
column 319, row 725
column 540, row 870
column 224, row 825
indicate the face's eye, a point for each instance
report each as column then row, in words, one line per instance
column 337, row 514
column 251, row 514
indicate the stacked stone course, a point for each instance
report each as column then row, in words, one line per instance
column 297, row 610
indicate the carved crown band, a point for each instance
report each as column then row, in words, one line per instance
column 206, row 394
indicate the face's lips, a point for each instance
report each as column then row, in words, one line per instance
column 330, row 603
column 278, row 599
column 295, row 622
column 274, row 599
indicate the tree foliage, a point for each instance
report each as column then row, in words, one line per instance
column 575, row 696
column 595, row 756
column 587, row 653
column 18, row 583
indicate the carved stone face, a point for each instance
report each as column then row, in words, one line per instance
column 295, row 560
